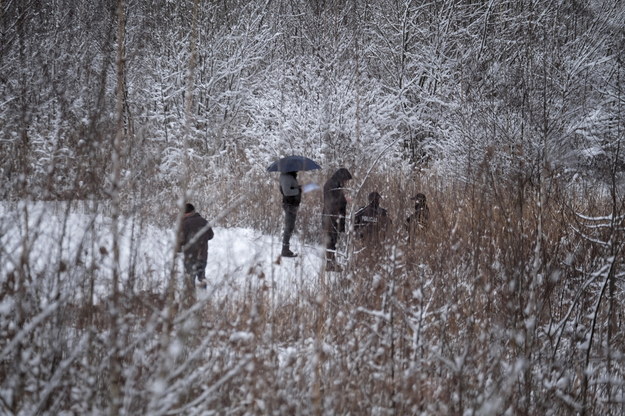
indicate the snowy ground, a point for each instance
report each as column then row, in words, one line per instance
column 64, row 245
column 237, row 255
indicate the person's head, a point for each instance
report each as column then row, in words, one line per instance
column 374, row 199
column 189, row 208
column 293, row 174
column 419, row 200
column 342, row 175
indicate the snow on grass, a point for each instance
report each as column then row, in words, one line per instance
column 69, row 246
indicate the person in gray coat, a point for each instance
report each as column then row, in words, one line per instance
column 291, row 197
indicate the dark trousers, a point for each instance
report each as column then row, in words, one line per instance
column 331, row 238
column 290, row 215
column 194, row 269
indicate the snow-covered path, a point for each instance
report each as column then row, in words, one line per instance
column 67, row 246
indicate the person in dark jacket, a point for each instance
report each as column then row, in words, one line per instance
column 419, row 219
column 334, row 211
column 371, row 222
column 193, row 242
column 291, row 197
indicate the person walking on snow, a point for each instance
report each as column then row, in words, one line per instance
column 193, row 242
column 291, row 197
column 333, row 216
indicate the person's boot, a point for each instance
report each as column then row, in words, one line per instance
column 287, row 253
column 331, row 265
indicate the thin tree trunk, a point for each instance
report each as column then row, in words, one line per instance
column 116, row 366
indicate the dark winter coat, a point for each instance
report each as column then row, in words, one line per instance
column 371, row 223
column 334, row 202
column 194, row 245
column 418, row 221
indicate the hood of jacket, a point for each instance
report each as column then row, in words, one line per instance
column 342, row 174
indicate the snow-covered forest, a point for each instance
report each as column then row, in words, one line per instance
column 508, row 114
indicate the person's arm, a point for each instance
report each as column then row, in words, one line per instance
column 358, row 223
column 342, row 212
column 182, row 238
column 358, row 219
column 205, row 232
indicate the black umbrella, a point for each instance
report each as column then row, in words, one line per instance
column 293, row 164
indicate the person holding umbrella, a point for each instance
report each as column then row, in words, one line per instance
column 291, row 193
column 291, row 197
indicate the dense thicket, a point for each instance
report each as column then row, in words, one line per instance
column 519, row 85
column 508, row 114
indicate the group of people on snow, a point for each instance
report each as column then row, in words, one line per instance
column 371, row 223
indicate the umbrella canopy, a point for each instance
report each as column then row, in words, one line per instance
column 293, row 164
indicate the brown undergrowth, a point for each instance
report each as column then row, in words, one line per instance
column 490, row 309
